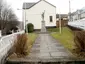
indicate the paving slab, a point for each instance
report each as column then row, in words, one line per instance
column 59, row 54
column 48, row 49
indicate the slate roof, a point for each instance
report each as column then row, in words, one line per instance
column 28, row 5
column 62, row 15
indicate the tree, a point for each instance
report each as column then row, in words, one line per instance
column 0, row 7
column 30, row 27
column 9, row 26
column 8, row 19
column 8, row 15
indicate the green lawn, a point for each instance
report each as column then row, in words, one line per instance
column 52, row 29
column 66, row 38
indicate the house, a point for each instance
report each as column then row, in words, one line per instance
column 63, row 16
column 32, row 12
column 64, row 19
column 79, row 14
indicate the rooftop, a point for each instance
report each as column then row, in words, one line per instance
column 28, row 5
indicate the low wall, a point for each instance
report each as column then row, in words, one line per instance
column 6, row 42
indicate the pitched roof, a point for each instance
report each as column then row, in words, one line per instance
column 29, row 5
column 49, row 3
column 62, row 15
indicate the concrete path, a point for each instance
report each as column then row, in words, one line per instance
column 47, row 49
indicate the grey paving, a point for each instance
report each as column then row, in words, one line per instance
column 47, row 49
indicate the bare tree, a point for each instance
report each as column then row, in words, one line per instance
column 8, row 14
column 7, row 17
column 1, row 6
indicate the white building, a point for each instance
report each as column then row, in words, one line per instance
column 33, row 12
column 79, row 14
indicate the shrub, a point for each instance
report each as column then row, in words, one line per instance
column 79, row 40
column 22, row 45
column 30, row 27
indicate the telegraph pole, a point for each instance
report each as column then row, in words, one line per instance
column 60, row 23
column 26, row 28
column 69, row 10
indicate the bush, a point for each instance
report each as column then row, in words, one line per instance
column 30, row 27
column 22, row 45
column 79, row 40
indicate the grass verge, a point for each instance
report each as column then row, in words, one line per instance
column 66, row 38
column 32, row 37
column 52, row 29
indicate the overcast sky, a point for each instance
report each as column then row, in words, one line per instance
column 62, row 6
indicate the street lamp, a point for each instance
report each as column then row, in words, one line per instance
column 25, row 25
column 69, row 10
column 26, row 28
column 22, row 25
column 60, row 22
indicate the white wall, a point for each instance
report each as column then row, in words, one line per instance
column 75, row 17
column 78, row 15
column 6, row 42
column 33, row 15
column 78, row 24
column 83, row 15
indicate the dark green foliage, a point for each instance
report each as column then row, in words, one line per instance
column 30, row 27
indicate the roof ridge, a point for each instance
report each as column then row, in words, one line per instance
column 29, row 2
column 32, row 3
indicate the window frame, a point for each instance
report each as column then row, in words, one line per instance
column 51, row 18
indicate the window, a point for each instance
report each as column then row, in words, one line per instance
column 51, row 19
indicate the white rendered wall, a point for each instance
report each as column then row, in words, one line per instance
column 6, row 42
column 33, row 15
